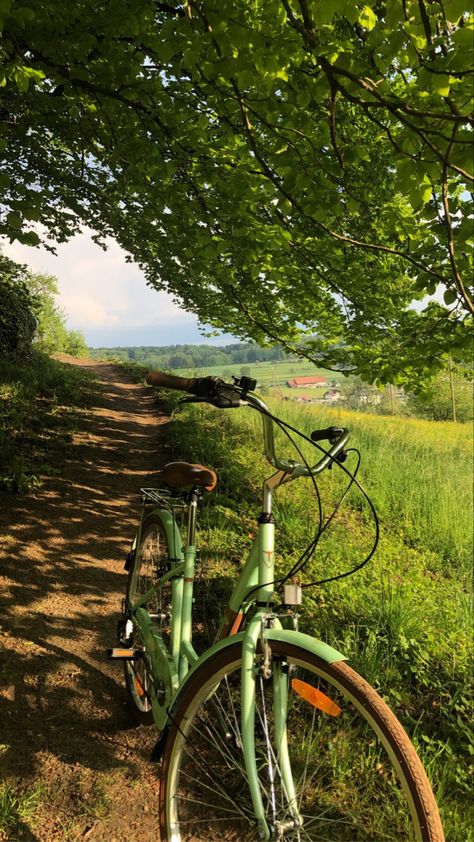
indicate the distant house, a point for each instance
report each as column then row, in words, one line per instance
column 307, row 382
column 334, row 395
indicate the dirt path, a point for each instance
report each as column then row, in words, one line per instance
column 67, row 745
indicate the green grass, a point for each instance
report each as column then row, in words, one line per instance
column 418, row 473
column 39, row 397
column 405, row 619
column 16, row 809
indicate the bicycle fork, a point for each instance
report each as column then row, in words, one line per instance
column 258, row 668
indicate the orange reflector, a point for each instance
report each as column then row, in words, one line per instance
column 139, row 687
column 315, row 697
column 237, row 623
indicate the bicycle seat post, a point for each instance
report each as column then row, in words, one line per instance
column 194, row 498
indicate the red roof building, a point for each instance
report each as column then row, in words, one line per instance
column 307, row 382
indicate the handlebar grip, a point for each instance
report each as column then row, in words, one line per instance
column 207, row 389
column 172, row 381
column 331, row 434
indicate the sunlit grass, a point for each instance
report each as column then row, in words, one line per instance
column 17, row 808
column 404, row 620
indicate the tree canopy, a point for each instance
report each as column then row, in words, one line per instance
column 285, row 168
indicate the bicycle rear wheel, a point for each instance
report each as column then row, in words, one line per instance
column 357, row 776
column 151, row 558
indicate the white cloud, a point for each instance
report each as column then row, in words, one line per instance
column 107, row 298
column 84, row 311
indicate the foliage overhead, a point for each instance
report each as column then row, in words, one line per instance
column 283, row 167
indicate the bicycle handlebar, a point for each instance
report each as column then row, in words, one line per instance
column 228, row 395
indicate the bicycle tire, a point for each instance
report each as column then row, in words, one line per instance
column 151, row 554
column 204, row 795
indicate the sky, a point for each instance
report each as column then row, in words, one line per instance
column 107, row 298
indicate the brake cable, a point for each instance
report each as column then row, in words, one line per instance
column 311, row 548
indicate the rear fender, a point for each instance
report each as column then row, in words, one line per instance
column 171, row 529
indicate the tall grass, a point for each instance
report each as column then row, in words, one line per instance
column 404, row 619
column 418, row 473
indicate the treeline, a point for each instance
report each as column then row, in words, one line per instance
column 192, row 356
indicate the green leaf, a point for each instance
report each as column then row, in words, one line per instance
column 440, row 84
column 303, row 98
column 463, row 38
column 350, row 11
column 14, row 220
column 327, row 10
column 31, row 212
column 450, row 296
column 30, row 238
column 245, row 78
column 456, row 8
column 417, row 36
column 367, row 18
column 426, row 192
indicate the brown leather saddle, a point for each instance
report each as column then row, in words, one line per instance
column 184, row 475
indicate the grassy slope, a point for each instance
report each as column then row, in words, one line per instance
column 39, row 397
column 404, row 620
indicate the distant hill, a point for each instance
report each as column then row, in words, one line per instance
column 193, row 356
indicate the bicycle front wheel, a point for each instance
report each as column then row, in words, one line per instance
column 356, row 775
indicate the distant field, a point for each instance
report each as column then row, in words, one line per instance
column 268, row 373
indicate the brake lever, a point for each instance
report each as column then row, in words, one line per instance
column 341, row 457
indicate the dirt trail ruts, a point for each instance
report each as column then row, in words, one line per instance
column 67, row 744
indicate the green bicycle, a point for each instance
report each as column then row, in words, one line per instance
column 269, row 734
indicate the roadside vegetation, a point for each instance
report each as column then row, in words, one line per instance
column 404, row 620
column 39, row 400
column 39, row 395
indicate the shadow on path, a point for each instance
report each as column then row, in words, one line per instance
column 61, row 584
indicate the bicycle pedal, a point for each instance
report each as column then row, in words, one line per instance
column 124, row 654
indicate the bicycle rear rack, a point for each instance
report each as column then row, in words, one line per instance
column 166, row 497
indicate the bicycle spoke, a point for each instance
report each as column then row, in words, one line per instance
column 211, row 789
column 197, row 760
column 220, row 744
column 234, row 723
column 215, row 785
column 271, row 771
column 212, row 806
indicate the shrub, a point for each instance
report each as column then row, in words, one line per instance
column 17, row 318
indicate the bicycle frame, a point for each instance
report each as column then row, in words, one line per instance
column 257, row 575
column 180, row 684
